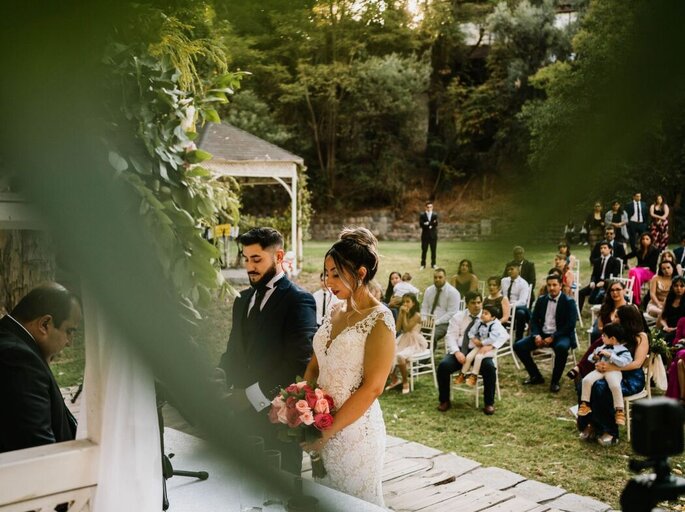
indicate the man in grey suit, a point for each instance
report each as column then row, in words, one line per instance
column 270, row 343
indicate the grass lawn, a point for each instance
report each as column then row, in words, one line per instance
column 532, row 433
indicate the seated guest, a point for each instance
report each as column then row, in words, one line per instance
column 39, row 327
column 552, row 324
column 485, row 337
column 676, row 370
column 565, row 250
column 376, row 290
column 645, row 268
column 614, row 298
column 526, row 271
column 554, row 271
column 495, row 298
column 410, row 342
column 324, row 299
column 617, row 219
column 674, row 309
column 613, row 351
column 404, row 287
column 617, row 249
column 568, row 279
column 441, row 299
column 457, row 342
column 659, row 287
column 600, row 423
column 393, row 279
column 602, row 269
column 517, row 291
column 679, row 254
column 465, row 280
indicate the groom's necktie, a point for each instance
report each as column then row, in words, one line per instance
column 466, row 340
column 259, row 297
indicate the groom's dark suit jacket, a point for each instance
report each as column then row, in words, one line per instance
column 271, row 349
column 32, row 409
column 280, row 344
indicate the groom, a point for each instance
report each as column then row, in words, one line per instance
column 270, row 341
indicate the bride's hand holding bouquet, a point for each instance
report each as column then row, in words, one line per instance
column 307, row 413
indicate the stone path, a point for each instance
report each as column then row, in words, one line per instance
column 417, row 477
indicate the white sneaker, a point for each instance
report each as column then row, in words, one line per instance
column 434, row 266
column 422, row 267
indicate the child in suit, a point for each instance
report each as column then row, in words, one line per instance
column 615, row 352
column 485, row 333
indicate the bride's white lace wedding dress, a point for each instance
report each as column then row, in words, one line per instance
column 354, row 456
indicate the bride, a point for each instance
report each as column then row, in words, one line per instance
column 353, row 351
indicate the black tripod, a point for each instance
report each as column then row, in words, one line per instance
column 167, row 469
column 643, row 492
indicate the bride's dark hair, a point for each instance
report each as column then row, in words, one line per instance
column 356, row 248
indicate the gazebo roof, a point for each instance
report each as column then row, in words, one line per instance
column 230, row 144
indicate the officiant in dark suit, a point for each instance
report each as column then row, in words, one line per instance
column 271, row 339
column 31, row 404
column 428, row 222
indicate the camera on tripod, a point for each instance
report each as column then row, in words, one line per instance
column 657, row 427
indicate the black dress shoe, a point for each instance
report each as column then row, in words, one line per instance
column 444, row 406
column 554, row 387
column 489, row 410
column 530, row 381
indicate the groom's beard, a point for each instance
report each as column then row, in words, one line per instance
column 266, row 277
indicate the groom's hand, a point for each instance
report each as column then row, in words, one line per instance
column 237, row 400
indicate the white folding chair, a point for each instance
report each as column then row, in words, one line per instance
column 576, row 287
column 476, row 390
column 508, row 347
column 423, row 363
column 645, row 393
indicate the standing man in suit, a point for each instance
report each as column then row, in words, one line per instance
column 637, row 219
column 428, row 222
column 271, row 339
column 552, row 325
column 39, row 327
column 603, row 268
column 617, row 249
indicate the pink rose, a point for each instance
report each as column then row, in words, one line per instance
column 290, row 402
column 331, row 403
column 307, row 417
column 302, row 406
column 292, row 389
column 293, row 418
column 273, row 414
column 311, row 399
column 278, row 402
column 323, row 421
column 282, row 415
column 319, row 393
column 301, row 384
column 321, row 406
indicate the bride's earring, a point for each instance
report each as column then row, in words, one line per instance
column 359, row 283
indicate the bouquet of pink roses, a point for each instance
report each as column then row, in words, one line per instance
column 306, row 410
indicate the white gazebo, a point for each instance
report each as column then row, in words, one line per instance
column 254, row 161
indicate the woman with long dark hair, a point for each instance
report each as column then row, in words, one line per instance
column 659, row 211
column 674, row 309
column 465, row 280
column 601, row 422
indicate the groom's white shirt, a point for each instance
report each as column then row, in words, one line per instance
column 253, row 392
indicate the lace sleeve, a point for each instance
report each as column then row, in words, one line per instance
column 386, row 315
